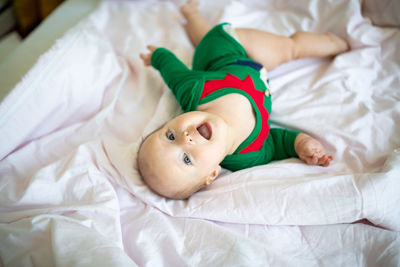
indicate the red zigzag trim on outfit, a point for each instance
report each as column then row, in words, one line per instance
column 247, row 85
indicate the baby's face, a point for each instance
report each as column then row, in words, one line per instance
column 186, row 151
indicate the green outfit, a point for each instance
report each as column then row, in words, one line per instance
column 221, row 67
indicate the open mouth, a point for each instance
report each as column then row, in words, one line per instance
column 205, row 130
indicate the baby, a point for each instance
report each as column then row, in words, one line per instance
column 226, row 102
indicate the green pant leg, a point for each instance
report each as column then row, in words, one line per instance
column 217, row 49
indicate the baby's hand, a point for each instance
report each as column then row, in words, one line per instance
column 311, row 151
column 147, row 57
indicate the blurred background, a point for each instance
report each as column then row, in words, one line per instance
column 18, row 18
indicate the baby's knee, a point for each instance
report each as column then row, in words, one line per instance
column 292, row 47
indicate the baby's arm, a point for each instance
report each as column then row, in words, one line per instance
column 311, row 151
column 185, row 84
column 163, row 60
column 174, row 72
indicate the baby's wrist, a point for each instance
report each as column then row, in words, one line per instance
column 299, row 142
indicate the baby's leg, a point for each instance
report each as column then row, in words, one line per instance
column 196, row 27
column 266, row 48
column 272, row 50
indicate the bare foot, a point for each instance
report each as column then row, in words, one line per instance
column 339, row 45
column 196, row 27
column 189, row 8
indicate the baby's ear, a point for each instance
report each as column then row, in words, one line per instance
column 214, row 174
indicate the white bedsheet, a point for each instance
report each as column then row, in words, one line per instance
column 70, row 193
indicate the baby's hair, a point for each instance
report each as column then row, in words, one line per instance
column 142, row 140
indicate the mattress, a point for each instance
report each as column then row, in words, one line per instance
column 77, row 111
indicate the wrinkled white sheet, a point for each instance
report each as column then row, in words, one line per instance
column 70, row 193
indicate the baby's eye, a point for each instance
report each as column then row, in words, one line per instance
column 170, row 136
column 186, row 159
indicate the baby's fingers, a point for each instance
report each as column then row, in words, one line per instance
column 312, row 159
column 318, row 159
column 326, row 160
column 152, row 48
column 311, row 151
column 146, row 58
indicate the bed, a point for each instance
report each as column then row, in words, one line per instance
column 79, row 101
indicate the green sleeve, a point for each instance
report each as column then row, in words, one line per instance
column 183, row 82
column 279, row 145
column 283, row 141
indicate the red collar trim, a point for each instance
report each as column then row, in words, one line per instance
column 247, row 85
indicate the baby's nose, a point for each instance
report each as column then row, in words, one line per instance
column 187, row 138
